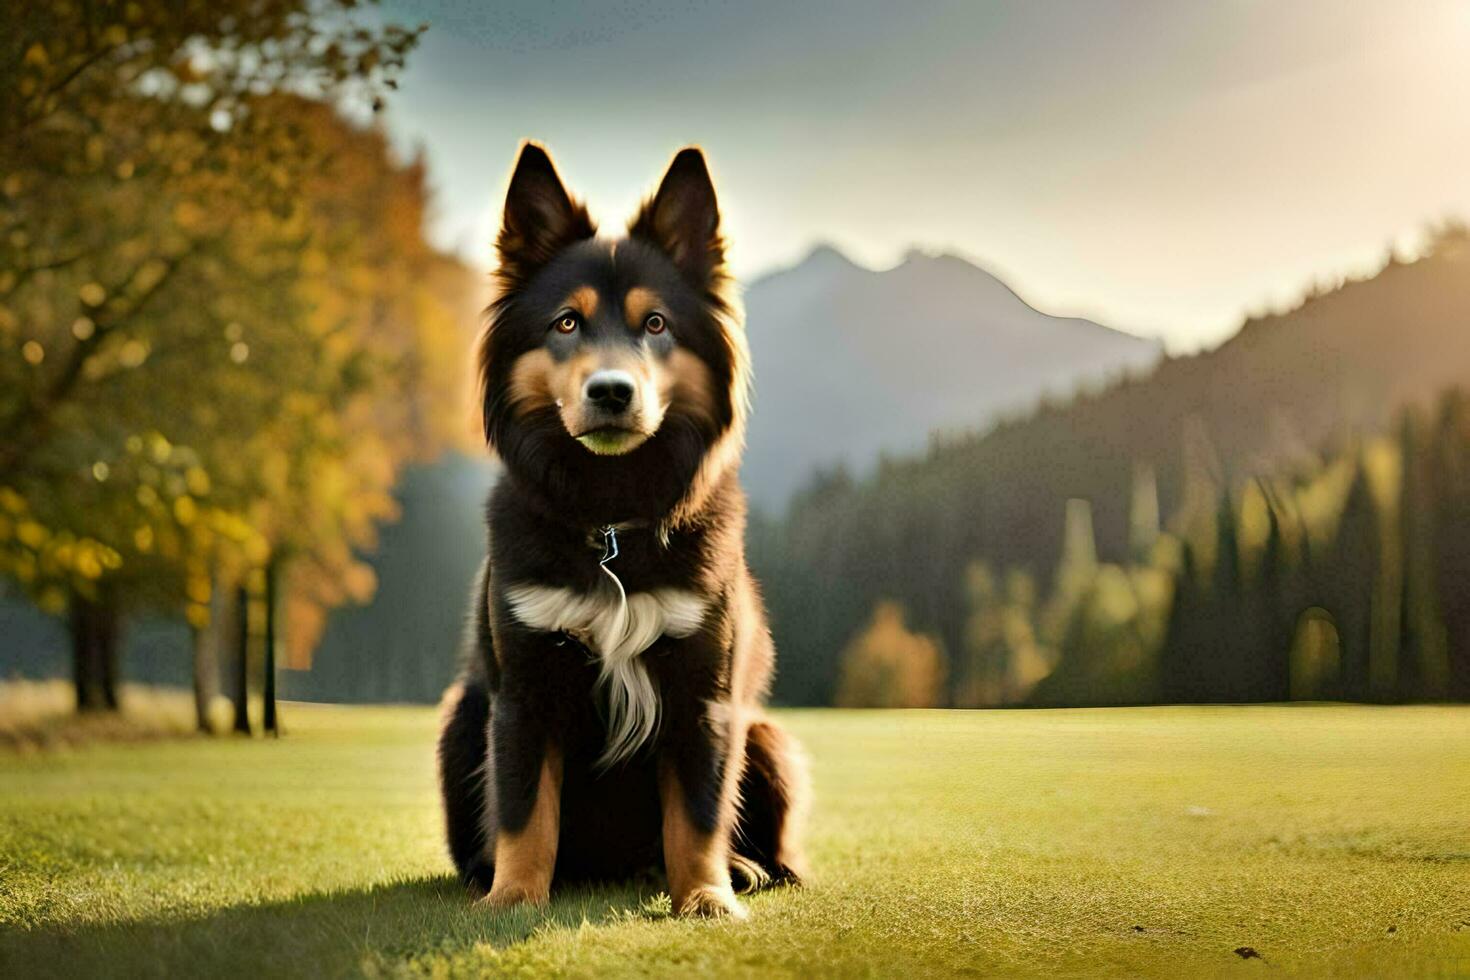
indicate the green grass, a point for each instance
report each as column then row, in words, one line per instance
column 1331, row 840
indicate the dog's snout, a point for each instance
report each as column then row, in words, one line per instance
column 611, row 391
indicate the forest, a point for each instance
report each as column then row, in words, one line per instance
column 1342, row 584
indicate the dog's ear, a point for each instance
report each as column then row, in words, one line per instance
column 683, row 219
column 540, row 218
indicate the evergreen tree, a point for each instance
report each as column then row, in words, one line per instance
column 1423, row 670
column 1273, row 592
column 1347, row 582
column 1451, row 536
column 1179, row 666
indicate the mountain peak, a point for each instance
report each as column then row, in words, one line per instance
column 853, row 362
column 826, row 255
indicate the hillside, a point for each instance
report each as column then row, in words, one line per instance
column 1284, row 387
column 851, row 363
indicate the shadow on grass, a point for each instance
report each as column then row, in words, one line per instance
column 369, row 930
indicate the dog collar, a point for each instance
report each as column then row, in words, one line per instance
column 609, row 543
column 605, row 538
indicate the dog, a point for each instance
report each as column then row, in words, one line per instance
column 609, row 717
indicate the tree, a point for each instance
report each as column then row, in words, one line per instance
column 1424, row 670
column 886, row 666
column 987, row 660
column 1450, row 467
column 1346, row 583
column 1270, row 628
column 385, row 386
column 100, row 100
column 1226, row 660
column 240, row 623
column 1003, row 659
column 1185, row 641
column 161, row 331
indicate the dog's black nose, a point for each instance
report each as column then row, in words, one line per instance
column 611, row 391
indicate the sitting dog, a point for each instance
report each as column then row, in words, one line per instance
column 609, row 717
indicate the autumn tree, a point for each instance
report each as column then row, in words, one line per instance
column 1003, row 657
column 388, row 319
column 887, row 666
column 157, row 294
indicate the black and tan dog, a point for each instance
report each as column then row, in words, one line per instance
column 609, row 718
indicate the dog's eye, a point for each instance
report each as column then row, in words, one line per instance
column 566, row 323
column 654, row 323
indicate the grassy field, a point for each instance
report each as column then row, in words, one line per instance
column 1162, row 842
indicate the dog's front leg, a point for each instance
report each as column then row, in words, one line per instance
column 528, row 778
column 699, row 770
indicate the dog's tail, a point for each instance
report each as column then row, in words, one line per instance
column 464, row 721
column 775, row 793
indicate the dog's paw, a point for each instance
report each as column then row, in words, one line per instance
column 792, row 874
column 712, row 903
column 510, row 895
column 747, row 876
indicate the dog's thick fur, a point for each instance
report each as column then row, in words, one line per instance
column 609, row 717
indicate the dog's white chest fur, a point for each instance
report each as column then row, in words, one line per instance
column 618, row 628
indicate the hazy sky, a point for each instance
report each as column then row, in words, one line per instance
column 1164, row 167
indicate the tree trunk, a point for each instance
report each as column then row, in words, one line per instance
column 206, row 674
column 269, row 720
column 242, row 661
column 85, row 672
column 107, row 652
column 94, row 644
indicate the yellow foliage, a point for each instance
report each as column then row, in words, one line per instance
column 31, row 534
column 198, row 588
column 257, row 549
column 87, row 565
column 1004, row 659
column 159, row 448
column 359, row 582
column 305, row 620
column 197, row 480
column 280, row 374
column 887, row 666
column 197, row 615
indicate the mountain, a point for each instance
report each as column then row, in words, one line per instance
column 851, row 363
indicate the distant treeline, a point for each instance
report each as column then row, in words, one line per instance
column 1342, row 582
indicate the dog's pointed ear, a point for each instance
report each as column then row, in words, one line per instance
column 540, row 217
column 683, row 219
